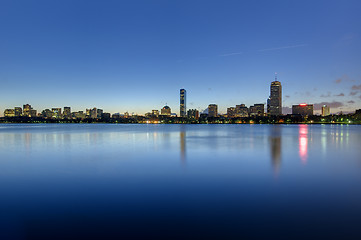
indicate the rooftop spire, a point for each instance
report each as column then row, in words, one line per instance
column 275, row 76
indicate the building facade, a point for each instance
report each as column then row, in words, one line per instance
column 256, row 110
column 183, row 107
column 303, row 109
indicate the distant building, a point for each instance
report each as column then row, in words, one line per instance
column 99, row 113
column 56, row 112
column 183, row 107
column 274, row 103
column 193, row 113
column 212, row 110
column 33, row 113
column 93, row 113
column 155, row 113
column 231, row 112
column 106, row 116
column 18, row 111
column 9, row 113
column 257, row 110
column 325, row 110
column 241, row 111
column 79, row 115
column 303, row 109
column 47, row 113
column 165, row 111
column 87, row 113
column 67, row 112
column 26, row 110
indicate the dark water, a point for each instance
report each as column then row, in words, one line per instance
column 180, row 181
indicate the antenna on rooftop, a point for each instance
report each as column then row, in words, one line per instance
column 275, row 76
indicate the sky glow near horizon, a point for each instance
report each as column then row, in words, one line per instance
column 135, row 55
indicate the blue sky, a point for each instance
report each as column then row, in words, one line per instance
column 135, row 55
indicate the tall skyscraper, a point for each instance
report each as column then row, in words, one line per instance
column 212, row 110
column 183, row 107
column 274, row 103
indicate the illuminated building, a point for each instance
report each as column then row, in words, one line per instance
column 183, row 99
column 26, row 110
column 56, row 112
column 9, row 113
column 155, row 113
column 212, row 110
column 274, row 103
column 241, row 111
column 165, row 111
column 303, row 109
column 231, row 112
column 18, row 111
column 67, row 112
column 193, row 113
column 325, row 110
column 257, row 110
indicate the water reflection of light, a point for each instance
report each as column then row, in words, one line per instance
column 303, row 142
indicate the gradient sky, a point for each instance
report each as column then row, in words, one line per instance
column 135, row 55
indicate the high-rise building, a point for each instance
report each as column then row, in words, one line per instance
column 212, row 110
column 193, row 113
column 303, row 109
column 165, row 111
column 325, row 110
column 274, row 103
column 18, row 111
column 67, row 112
column 26, row 110
column 183, row 107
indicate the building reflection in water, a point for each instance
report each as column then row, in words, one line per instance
column 275, row 146
column 182, row 137
column 303, row 142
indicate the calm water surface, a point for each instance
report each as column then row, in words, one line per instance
column 99, row 181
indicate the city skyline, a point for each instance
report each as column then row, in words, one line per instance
column 133, row 57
